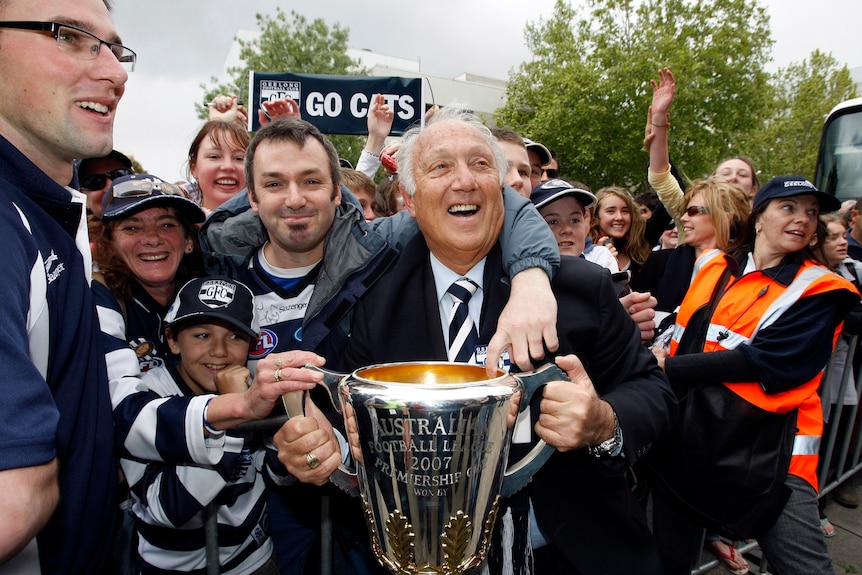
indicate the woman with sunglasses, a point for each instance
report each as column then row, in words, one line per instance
column 752, row 336
column 146, row 249
column 669, row 238
column 715, row 212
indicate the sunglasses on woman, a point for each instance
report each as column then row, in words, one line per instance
column 692, row 211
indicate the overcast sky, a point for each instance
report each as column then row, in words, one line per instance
column 182, row 43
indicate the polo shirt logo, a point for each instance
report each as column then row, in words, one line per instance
column 55, row 273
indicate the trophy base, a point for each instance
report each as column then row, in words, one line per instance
column 454, row 543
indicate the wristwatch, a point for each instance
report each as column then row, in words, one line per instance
column 609, row 447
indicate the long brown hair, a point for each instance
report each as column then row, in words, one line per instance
column 118, row 276
column 636, row 246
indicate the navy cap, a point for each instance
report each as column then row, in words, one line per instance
column 544, row 153
column 129, row 194
column 215, row 297
column 119, row 157
column 553, row 190
column 789, row 186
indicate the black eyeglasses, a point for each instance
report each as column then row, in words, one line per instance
column 670, row 226
column 692, row 211
column 98, row 181
column 552, row 173
column 77, row 42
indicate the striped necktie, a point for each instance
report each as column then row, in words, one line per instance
column 462, row 334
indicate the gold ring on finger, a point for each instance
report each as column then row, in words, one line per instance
column 312, row 460
column 277, row 374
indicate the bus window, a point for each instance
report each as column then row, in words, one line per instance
column 839, row 161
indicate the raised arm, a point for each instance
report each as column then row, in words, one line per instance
column 656, row 142
column 278, row 108
column 229, row 109
column 658, row 120
column 379, row 122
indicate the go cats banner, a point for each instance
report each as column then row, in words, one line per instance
column 338, row 104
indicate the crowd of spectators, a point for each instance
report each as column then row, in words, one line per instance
column 146, row 341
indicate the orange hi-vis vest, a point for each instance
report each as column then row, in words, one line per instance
column 750, row 303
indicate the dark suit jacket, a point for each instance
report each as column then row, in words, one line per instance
column 583, row 505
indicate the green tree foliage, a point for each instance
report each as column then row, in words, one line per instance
column 586, row 91
column 806, row 92
column 296, row 46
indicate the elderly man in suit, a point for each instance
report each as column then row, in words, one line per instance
column 578, row 515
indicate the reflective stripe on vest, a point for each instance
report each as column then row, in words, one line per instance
column 806, row 445
column 731, row 340
column 738, row 310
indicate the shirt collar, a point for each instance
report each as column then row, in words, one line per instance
column 444, row 277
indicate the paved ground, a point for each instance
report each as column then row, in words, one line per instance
column 846, row 546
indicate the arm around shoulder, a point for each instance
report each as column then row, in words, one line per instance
column 526, row 239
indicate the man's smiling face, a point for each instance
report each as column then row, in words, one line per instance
column 458, row 203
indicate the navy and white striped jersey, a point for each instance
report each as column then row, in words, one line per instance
column 170, row 500
column 138, row 411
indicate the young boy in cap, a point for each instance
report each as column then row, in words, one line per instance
column 566, row 209
column 211, row 327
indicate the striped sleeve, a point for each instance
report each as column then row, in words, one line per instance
column 140, row 412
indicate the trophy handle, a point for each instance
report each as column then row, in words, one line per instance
column 519, row 474
column 294, row 401
column 294, row 405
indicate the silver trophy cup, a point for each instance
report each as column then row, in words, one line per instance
column 431, row 441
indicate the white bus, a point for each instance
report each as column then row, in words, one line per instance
column 839, row 160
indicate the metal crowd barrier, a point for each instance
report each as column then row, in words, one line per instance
column 839, row 455
column 844, row 451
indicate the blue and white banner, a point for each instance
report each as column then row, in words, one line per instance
column 338, row 104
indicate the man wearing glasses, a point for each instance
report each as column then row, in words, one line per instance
column 64, row 71
column 95, row 175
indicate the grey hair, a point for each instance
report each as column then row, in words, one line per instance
column 455, row 112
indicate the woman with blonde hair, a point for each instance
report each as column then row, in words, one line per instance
column 714, row 211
